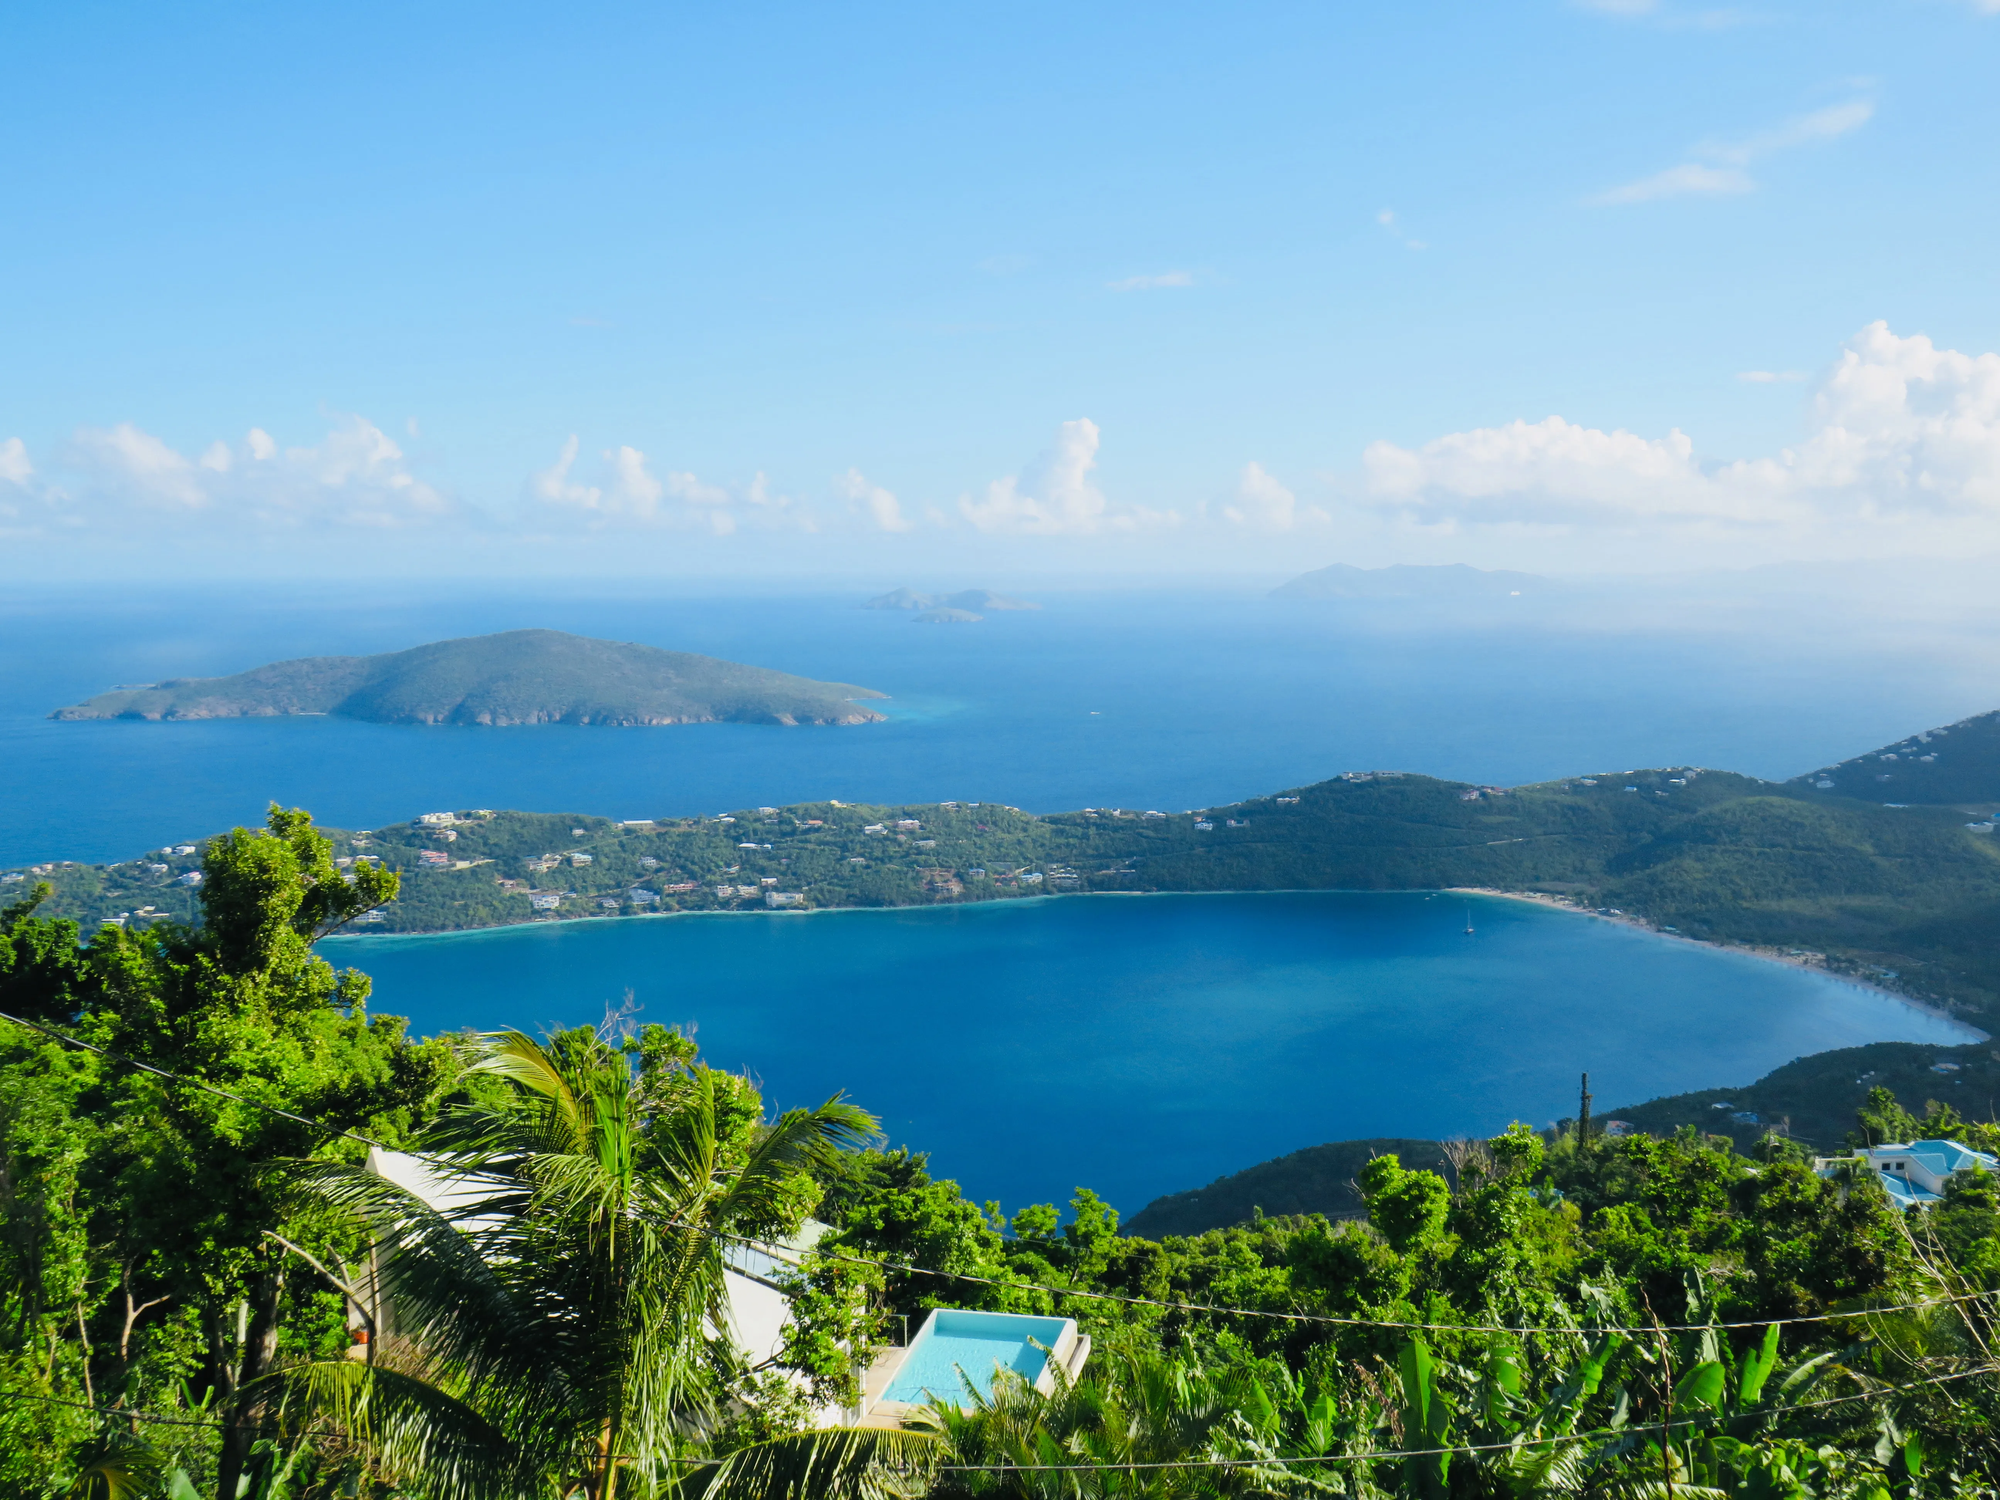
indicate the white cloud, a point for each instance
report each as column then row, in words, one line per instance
column 1770, row 377
column 627, row 492
column 1261, row 503
column 1054, row 496
column 1388, row 219
column 1678, row 182
column 1152, row 283
column 141, row 467
column 1719, row 168
column 882, row 506
column 1902, row 432
column 14, row 466
column 356, row 475
column 554, row 486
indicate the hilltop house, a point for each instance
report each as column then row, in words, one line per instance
column 950, row 1349
column 1915, row 1173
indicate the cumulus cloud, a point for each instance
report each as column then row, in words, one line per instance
column 1901, row 431
column 355, row 475
column 1261, row 503
column 1152, row 283
column 1055, row 496
column 627, row 491
column 882, row 506
column 14, row 466
column 1721, row 167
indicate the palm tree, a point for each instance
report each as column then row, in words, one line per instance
column 560, row 1328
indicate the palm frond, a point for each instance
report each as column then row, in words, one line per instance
column 841, row 1463
column 418, row 1431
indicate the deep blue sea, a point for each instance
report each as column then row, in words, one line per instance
column 1141, row 1045
column 1136, row 698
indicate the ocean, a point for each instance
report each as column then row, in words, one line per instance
column 1140, row 1045
column 1168, row 699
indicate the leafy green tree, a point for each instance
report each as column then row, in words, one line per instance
column 1409, row 1208
column 145, row 1217
column 563, row 1326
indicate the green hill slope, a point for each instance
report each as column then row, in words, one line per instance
column 1317, row 1180
column 518, row 677
column 1955, row 765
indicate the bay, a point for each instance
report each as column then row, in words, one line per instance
column 1145, row 1045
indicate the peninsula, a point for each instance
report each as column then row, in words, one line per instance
column 516, row 677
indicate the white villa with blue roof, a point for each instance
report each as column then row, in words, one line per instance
column 1914, row 1174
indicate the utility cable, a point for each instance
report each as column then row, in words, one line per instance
column 1332, row 1319
column 1379, row 1455
column 1303, row 1317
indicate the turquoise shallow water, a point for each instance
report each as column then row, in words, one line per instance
column 1144, row 1045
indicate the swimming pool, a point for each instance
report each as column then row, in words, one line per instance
column 977, row 1343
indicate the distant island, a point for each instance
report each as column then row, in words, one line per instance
column 516, row 677
column 1448, row 582
column 941, row 608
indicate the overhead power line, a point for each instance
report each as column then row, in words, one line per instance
column 1377, row 1455
column 1169, row 1304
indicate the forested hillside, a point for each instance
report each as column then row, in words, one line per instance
column 1906, row 895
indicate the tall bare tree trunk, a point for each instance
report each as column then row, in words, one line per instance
column 260, row 1348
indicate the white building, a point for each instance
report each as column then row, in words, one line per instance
column 1913, row 1174
column 945, row 1351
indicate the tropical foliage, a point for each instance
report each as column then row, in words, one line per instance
column 192, row 1249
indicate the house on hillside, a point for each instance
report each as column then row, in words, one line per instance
column 1913, row 1174
column 951, row 1348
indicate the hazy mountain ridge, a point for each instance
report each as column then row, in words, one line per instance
column 515, row 677
column 1441, row 583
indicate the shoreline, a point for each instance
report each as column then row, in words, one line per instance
column 1536, row 898
column 1813, row 964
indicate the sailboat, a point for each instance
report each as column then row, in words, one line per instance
column 1468, row 921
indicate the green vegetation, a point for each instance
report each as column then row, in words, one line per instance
column 182, row 1275
column 1906, row 897
column 1810, row 1103
column 517, row 677
column 1815, row 1100
column 1318, row 1180
column 1958, row 765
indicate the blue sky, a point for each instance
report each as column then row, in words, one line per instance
column 956, row 288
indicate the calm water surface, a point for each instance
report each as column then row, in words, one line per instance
column 1170, row 700
column 1144, row 1045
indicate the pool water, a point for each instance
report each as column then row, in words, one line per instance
column 977, row 1344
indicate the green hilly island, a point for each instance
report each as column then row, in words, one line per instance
column 516, row 677
column 1903, row 895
